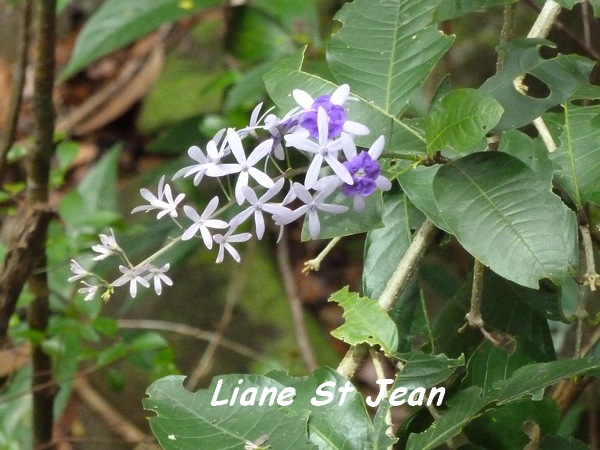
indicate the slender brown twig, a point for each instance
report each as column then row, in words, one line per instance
column 285, row 268
column 18, row 82
column 234, row 292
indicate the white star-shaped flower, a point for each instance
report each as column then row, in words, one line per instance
column 203, row 222
column 164, row 201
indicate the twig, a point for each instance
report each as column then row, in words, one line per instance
column 473, row 317
column 315, row 264
column 590, row 277
column 380, row 373
column 540, row 29
column 114, row 420
column 16, row 95
column 194, row 332
column 589, row 49
column 394, row 288
column 38, row 175
column 234, row 291
column 285, row 269
column 506, row 34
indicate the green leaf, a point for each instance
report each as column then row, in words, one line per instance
column 570, row 3
column 119, row 22
column 553, row 442
column 578, row 155
column 507, row 218
column 400, row 136
column 384, row 248
column 490, row 364
column 562, row 75
column 186, row 420
column 502, row 428
column 386, row 53
column 366, row 321
column 462, row 407
column 417, row 184
column 450, row 9
column 531, row 380
column 423, row 370
column 532, row 152
column 460, row 120
column 99, row 188
column 509, row 308
column 331, row 425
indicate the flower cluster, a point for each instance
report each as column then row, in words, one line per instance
column 317, row 128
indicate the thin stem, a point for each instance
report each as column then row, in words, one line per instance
column 315, row 263
column 394, row 288
column 285, row 268
column 234, row 292
column 377, row 359
column 545, row 20
column 590, row 276
column 16, row 95
column 194, row 332
column 506, row 34
column 473, row 317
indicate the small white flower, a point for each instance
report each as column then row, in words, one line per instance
column 133, row 276
column 224, row 242
column 245, row 166
column 258, row 206
column 108, row 246
column 158, row 275
column 203, row 222
column 163, row 202
column 311, row 207
column 78, row 271
column 209, row 164
column 89, row 290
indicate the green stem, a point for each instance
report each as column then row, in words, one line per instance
column 394, row 288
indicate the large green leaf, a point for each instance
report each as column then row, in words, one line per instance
column 99, row 188
column 418, row 186
column 502, row 428
column 120, row 22
column 366, row 321
column 578, row 155
column 425, row 371
column 386, row 52
column 532, row 152
column 335, row 426
column 186, row 420
column 460, row 120
column 462, row 408
column 562, row 75
column 399, row 135
column 468, row 404
column 506, row 217
column 531, row 380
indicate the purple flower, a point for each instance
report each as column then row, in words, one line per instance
column 365, row 172
column 333, row 106
column 324, row 150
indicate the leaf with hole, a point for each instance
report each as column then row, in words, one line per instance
column 562, row 75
